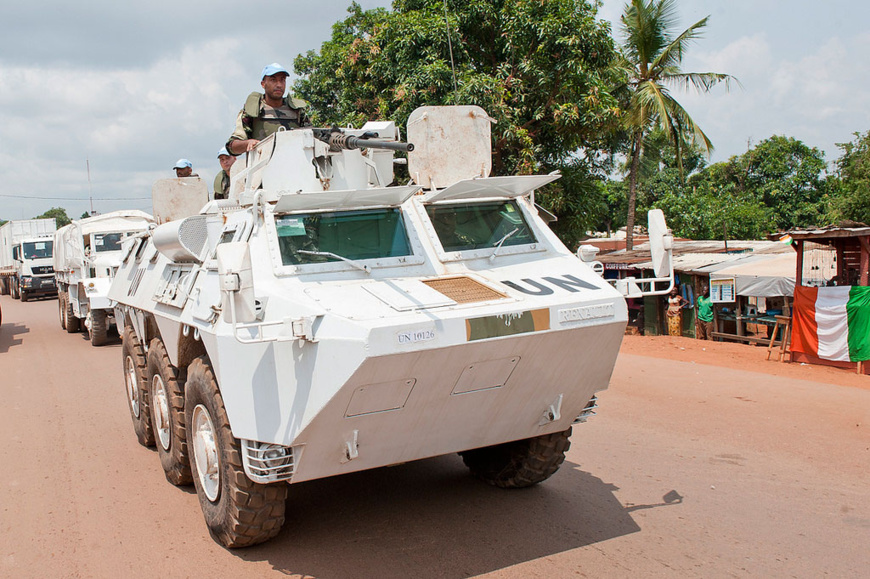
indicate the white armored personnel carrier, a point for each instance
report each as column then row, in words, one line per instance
column 322, row 321
column 87, row 252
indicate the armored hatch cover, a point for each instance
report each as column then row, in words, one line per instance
column 451, row 144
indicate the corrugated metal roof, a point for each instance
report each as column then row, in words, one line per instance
column 689, row 262
column 713, row 251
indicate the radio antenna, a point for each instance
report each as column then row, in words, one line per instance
column 450, row 48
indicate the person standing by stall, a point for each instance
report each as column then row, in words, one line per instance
column 675, row 312
column 705, row 315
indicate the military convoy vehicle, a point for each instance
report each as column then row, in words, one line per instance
column 87, row 253
column 25, row 258
column 323, row 321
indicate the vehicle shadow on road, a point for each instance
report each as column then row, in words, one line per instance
column 10, row 336
column 432, row 519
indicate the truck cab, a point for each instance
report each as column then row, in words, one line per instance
column 35, row 271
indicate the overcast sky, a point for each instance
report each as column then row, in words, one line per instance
column 132, row 87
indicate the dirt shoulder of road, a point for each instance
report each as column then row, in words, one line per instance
column 739, row 356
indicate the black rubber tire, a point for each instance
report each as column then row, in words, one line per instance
column 244, row 513
column 140, row 411
column 174, row 456
column 99, row 331
column 73, row 324
column 519, row 464
column 24, row 296
column 4, row 286
column 61, row 310
column 15, row 289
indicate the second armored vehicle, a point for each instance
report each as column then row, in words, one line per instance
column 87, row 253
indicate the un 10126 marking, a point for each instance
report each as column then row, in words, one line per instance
column 586, row 313
column 415, row 336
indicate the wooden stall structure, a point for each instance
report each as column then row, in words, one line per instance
column 831, row 324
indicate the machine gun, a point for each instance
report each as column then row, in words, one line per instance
column 338, row 140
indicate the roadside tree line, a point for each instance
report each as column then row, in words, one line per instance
column 567, row 96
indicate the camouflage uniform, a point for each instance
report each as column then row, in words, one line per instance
column 257, row 120
column 221, row 185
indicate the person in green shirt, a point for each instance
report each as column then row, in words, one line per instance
column 705, row 315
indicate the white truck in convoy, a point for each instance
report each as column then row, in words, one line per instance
column 322, row 321
column 87, row 253
column 26, row 258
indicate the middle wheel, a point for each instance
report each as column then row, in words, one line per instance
column 166, row 396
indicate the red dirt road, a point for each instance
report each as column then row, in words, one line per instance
column 701, row 463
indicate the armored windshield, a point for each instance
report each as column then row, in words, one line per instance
column 107, row 241
column 353, row 235
column 37, row 249
column 466, row 226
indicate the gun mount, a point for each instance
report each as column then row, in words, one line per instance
column 337, row 140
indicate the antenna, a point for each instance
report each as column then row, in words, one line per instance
column 90, row 192
column 450, row 48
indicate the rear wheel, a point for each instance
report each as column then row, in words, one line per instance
column 135, row 382
column 238, row 511
column 519, row 464
column 99, row 327
column 61, row 309
column 73, row 324
column 4, row 286
column 166, row 395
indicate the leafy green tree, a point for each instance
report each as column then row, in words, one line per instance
column 788, row 177
column 542, row 70
column 779, row 184
column 849, row 191
column 85, row 215
column 651, row 58
column 59, row 215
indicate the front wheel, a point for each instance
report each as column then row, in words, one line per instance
column 15, row 289
column 238, row 511
column 99, row 327
column 519, row 464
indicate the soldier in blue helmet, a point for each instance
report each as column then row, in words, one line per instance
column 264, row 113
column 222, row 179
column 184, row 168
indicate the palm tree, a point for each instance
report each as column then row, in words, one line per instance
column 651, row 57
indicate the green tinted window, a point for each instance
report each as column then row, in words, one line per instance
column 365, row 234
column 467, row 226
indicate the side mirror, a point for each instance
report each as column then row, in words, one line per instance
column 236, row 281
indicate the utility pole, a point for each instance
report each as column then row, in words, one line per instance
column 90, row 192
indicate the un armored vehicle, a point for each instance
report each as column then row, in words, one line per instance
column 322, row 321
column 87, row 253
column 25, row 258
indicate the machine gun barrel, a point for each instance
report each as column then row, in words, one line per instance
column 338, row 141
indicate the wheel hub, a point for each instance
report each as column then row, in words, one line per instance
column 161, row 412
column 205, row 453
column 132, row 388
